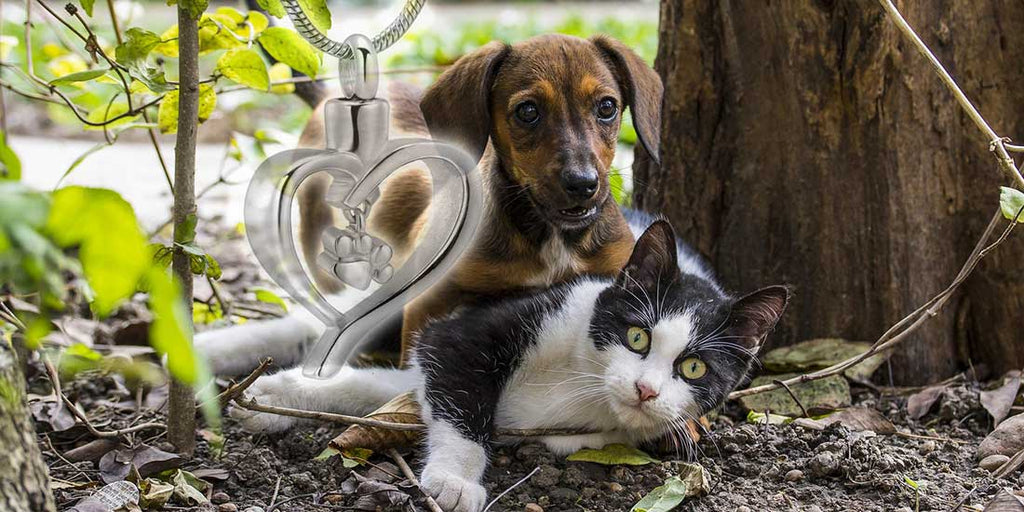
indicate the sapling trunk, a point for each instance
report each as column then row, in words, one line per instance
column 181, row 417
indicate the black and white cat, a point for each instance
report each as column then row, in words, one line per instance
column 631, row 358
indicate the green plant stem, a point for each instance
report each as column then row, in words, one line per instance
column 181, row 417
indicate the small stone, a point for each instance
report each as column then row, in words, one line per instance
column 993, row 462
column 254, row 508
column 1007, row 439
column 794, row 475
column 220, row 497
column 547, row 476
column 927, row 447
column 334, row 498
column 533, row 507
column 614, row 486
column 823, row 464
column 743, row 508
column 813, row 508
column 588, row 493
column 227, row 507
column 502, row 461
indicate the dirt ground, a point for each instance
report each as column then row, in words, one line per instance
column 751, row 466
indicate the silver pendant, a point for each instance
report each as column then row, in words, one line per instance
column 359, row 156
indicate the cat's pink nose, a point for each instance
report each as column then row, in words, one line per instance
column 644, row 391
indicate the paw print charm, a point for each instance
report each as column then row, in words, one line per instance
column 355, row 258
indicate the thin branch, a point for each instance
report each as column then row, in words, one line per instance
column 236, row 390
column 894, row 335
column 55, row 381
column 793, row 396
column 996, row 142
column 407, row 471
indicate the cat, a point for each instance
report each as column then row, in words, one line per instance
column 630, row 358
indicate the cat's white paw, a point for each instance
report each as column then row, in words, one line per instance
column 276, row 390
column 453, row 492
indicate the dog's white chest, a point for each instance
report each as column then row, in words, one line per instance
column 558, row 261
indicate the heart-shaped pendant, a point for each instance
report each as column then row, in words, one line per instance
column 359, row 157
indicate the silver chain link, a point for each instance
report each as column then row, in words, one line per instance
column 381, row 41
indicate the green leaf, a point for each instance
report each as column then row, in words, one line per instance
column 134, row 52
column 613, row 454
column 112, row 247
column 280, row 72
column 912, row 484
column 761, row 418
column 1011, row 201
column 269, row 297
column 167, row 114
column 212, row 267
column 10, row 164
column 663, row 498
column 186, row 231
column 195, row 8
column 318, row 13
column 81, row 76
column 245, row 66
column 207, row 101
column 87, row 6
column 273, row 7
column 326, row 454
column 289, row 47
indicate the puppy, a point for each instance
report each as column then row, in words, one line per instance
column 543, row 117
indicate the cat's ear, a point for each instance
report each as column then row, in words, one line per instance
column 754, row 316
column 654, row 258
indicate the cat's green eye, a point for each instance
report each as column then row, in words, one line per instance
column 692, row 368
column 638, row 339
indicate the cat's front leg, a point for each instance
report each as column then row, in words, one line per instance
column 455, row 466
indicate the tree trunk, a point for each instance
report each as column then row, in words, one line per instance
column 24, row 480
column 805, row 142
column 181, row 407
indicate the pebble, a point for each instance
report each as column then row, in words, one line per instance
column 533, row 507
column 1007, row 439
column 927, row 447
column 588, row 493
column 993, row 462
column 502, row 461
column 614, row 486
column 220, row 497
column 813, row 508
column 823, row 464
column 794, row 475
column 547, row 476
column 227, row 507
column 254, row 508
column 743, row 508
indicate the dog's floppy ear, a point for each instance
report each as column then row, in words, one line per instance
column 642, row 89
column 457, row 107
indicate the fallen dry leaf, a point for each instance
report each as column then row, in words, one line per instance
column 921, row 402
column 1005, row 501
column 401, row 409
column 999, row 400
column 857, row 419
column 116, row 464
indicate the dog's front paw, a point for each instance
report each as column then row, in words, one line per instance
column 276, row 390
column 452, row 491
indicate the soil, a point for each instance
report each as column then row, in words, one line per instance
column 751, row 466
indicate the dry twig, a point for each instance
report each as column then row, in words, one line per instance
column 407, row 471
column 55, row 381
column 235, row 390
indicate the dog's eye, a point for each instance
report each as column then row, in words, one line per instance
column 607, row 109
column 527, row 112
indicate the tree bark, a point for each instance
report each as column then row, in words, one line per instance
column 24, row 479
column 181, row 410
column 805, row 142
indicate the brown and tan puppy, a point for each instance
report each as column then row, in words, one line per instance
column 543, row 117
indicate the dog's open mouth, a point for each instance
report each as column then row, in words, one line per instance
column 577, row 215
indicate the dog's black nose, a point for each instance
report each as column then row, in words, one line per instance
column 580, row 183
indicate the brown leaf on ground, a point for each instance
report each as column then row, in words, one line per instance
column 1005, row 501
column 998, row 401
column 401, row 409
column 857, row 419
column 921, row 402
column 116, row 464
